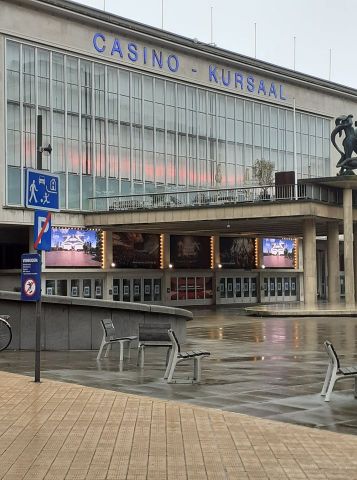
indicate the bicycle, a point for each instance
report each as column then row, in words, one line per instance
column 5, row 332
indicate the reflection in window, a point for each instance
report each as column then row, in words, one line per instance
column 138, row 132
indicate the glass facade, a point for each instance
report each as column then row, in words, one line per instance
column 115, row 131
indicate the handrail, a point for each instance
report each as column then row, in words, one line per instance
column 216, row 197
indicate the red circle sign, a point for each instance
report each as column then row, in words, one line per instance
column 30, row 287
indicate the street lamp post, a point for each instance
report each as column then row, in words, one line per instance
column 39, row 150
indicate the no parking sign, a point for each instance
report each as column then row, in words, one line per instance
column 30, row 277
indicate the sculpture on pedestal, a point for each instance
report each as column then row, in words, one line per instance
column 347, row 163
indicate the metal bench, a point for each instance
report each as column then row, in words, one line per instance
column 153, row 335
column 336, row 372
column 177, row 356
column 109, row 339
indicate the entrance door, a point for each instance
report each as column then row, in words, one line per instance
column 242, row 289
column 280, row 289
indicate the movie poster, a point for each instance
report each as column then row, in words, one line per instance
column 136, row 250
column 237, row 252
column 75, row 247
column 188, row 251
column 278, row 252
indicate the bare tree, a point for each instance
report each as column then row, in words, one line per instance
column 263, row 172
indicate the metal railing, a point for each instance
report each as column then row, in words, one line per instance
column 216, row 197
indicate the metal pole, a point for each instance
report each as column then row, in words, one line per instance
column 38, row 339
column 330, row 65
column 211, row 25
column 294, row 52
column 295, row 160
column 38, row 303
column 162, row 14
column 39, row 143
column 255, row 40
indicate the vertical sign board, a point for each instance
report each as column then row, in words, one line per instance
column 30, row 277
column 42, row 231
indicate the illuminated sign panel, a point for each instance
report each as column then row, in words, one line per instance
column 279, row 253
column 136, row 250
column 75, row 247
column 188, row 251
column 237, row 252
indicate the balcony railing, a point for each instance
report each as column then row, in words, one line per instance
column 216, row 197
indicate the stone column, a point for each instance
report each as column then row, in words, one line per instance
column 348, row 247
column 166, row 280
column 216, row 270
column 355, row 257
column 333, row 263
column 108, row 249
column 309, row 262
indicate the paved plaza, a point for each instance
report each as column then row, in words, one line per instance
column 266, row 367
column 106, row 421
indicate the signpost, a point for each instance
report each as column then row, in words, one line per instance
column 30, row 277
column 42, row 190
column 42, row 231
column 31, row 292
column 42, row 195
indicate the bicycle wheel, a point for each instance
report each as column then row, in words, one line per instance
column 5, row 334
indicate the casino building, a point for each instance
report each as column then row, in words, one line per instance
column 157, row 140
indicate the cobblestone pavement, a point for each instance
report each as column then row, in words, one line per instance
column 56, row 430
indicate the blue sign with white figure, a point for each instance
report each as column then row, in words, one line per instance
column 42, row 190
column 30, row 277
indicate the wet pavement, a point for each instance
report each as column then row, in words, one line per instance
column 265, row 367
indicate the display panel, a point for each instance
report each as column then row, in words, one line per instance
column 136, row 250
column 187, row 251
column 75, row 247
column 279, row 253
column 237, row 252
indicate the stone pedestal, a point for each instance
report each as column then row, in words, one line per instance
column 348, row 247
column 355, row 257
column 333, row 263
column 309, row 249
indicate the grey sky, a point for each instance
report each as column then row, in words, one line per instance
column 317, row 24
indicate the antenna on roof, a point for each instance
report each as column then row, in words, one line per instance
column 162, row 14
column 330, row 65
column 212, row 42
column 104, row 5
column 294, row 52
column 255, row 40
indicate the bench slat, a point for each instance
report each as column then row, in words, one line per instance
column 348, row 370
column 154, row 333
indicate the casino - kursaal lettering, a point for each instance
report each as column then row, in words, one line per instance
column 237, row 80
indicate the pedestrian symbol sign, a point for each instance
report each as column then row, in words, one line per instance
column 42, row 190
column 30, row 277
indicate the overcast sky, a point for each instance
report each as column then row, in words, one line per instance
column 318, row 25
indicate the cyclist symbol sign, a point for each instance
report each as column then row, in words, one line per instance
column 30, row 287
column 30, row 277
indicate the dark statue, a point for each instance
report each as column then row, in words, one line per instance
column 347, row 163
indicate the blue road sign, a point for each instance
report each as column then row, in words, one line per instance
column 42, row 231
column 42, row 190
column 30, row 277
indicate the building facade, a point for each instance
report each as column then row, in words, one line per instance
column 133, row 114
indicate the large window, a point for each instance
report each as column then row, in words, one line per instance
column 118, row 132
